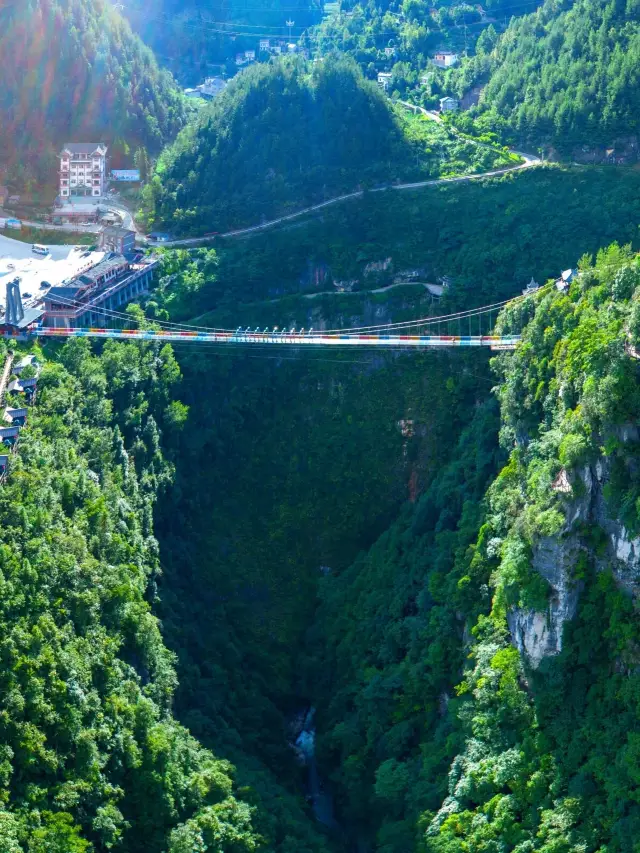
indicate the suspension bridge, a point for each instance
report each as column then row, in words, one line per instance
column 471, row 328
column 289, row 338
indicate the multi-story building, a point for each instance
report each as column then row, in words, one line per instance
column 115, row 239
column 449, row 105
column 445, row 59
column 88, row 299
column 83, row 169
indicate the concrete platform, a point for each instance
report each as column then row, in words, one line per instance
column 17, row 260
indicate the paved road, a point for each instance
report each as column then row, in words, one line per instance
column 529, row 160
column 128, row 221
column 47, row 226
column 109, row 204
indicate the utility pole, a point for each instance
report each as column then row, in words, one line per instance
column 290, row 24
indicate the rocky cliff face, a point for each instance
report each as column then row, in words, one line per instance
column 536, row 634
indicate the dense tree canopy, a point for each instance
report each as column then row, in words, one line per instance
column 492, row 754
column 287, row 134
column 72, row 70
column 91, row 756
column 569, row 73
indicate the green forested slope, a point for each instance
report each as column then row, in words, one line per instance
column 277, row 134
column 72, row 70
column 92, row 759
column 289, row 134
column 568, row 74
column 289, row 464
column 543, row 759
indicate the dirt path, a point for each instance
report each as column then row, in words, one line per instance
column 4, row 379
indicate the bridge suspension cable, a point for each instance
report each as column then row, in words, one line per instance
column 388, row 335
column 378, row 328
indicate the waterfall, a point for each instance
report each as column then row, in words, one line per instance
column 321, row 801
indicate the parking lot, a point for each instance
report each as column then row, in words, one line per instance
column 63, row 263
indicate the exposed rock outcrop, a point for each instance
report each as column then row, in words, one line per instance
column 536, row 634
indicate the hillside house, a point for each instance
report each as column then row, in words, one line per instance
column 449, row 105
column 250, row 55
column 83, row 169
column 74, row 213
column 26, row 361
column 106, row 286
column 211, row 87
column 445, row 59
column 384, row 79
column 265, row 44
column 9, row 435
column 389, row 51
column 566, row 277
column 24, row 386
column 15, row 417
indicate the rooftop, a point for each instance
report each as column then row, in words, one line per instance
column 26, row 360
column 69, row 209
column 63, row 292
column 116, row 231
column 111, row 261
column 83, row 147
column 31, row 315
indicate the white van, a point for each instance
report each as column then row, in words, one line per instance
column 39, row 250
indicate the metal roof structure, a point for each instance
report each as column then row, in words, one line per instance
column 63, row 292
column 116, row 231
column 31, row 315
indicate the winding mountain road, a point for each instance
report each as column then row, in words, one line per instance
column 529, row 160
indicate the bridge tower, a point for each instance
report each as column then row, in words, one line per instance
column 14, row 311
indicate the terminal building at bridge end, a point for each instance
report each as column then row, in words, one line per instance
column 108, row 286
column 103, row 282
